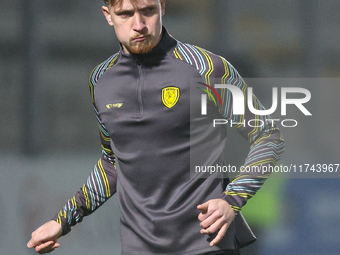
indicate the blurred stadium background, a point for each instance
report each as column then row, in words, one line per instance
column 49, row 140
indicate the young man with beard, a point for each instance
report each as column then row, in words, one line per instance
column 142, row 103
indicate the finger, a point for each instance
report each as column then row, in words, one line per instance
column 56, row 245
column 208, row 222
column 203, row 207
column 219, row 235
column 204, row 216
column 211, row 219
column 212, row 228
column 48, row 249
column 33, row 242
column 205, row 211
column 45, row 247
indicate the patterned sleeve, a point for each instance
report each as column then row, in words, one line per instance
column 99, row 187
column 266, row 144
column 101, row 184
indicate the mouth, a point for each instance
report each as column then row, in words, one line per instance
column 139, row 39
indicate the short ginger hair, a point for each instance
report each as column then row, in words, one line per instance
column 113, row 2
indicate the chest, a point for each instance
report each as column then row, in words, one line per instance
column 154, row 98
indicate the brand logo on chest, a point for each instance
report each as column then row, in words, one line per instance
column 117, row 105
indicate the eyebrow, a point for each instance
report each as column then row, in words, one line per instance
column 128, row 11
column 124, row 11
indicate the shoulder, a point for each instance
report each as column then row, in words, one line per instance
column 208, row 64
column 99, row 70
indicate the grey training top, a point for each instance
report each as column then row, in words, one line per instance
column 142, row 103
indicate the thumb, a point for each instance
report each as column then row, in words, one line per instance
column 32, row 243
column 203, row 207
column 29, row 244
column 37, row 238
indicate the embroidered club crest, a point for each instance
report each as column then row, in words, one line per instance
column 170, row 96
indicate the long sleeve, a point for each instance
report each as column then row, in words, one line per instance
column 266, row 146
column 266, row 142
column 99, row 187
column 101, row 183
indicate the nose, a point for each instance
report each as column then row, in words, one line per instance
column 139, row 22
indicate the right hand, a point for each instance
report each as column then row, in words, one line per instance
column 44, row 239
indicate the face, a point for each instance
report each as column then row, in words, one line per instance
column 138, row 24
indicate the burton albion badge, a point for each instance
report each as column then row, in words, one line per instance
column 170, row 96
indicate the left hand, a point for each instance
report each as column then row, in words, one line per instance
column 216, row 214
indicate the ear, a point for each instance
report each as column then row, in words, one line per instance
column 163, row 6
column 107, row 15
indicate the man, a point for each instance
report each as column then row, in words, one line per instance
column 141, row 98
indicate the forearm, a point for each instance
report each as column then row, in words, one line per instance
column 99, row 187
column 266, row 149
column 256, row 170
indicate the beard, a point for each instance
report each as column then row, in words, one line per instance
column 141, row 47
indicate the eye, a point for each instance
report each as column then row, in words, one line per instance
column 125, row 14
column 149, row 11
